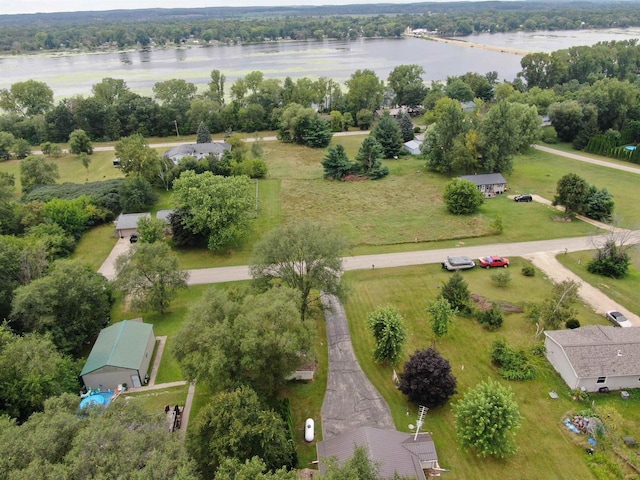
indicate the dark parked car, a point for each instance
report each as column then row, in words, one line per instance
column 133, row 238
column 523, row 198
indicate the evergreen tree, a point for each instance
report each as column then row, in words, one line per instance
column 202, row 134
column 406, row 126
column 456, row 292
column 388, row 134
column 336, row 164
column 368, row 159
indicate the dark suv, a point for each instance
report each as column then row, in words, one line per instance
column 523, row 198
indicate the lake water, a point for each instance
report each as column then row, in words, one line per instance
column 549, row 41
column 75, row 74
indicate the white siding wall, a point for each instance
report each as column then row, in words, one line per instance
column 557, row 358
column 108, row 378
column 612, row 383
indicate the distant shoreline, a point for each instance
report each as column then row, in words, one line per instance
column 464, row 43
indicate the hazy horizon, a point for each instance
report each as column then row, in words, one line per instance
column 49, row 6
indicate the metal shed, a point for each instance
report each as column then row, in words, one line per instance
column 122, row 354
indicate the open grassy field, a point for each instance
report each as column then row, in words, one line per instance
column 539, row 172
column 71, row 170
column 544, row 449
column 401, row 212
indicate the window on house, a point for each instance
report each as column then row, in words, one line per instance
column 601, row 379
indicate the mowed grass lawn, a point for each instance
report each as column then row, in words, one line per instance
column 539, row 172
column 624, row 290
column 544, row 449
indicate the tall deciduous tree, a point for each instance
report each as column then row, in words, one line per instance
column 216, row 86
column 508, row 128
column 462, row 197
column 151, row 230
column 236, row 425
column 450, row 125
column 34, row 171
column 72, row 303
column 427, row 379
column 486, row 420
column 365, row 91
column 136, row 194
column 336, row 163
column 303, row 255
column 389, row 136
column 406, row 82
column 31, row 371
column 220, row 208
column 255, row 340
column 442, row 314
column 27, row 98
column 572, row 191
column 150, row 275
column 79, row 142
column 137, row 158
column 389, row 333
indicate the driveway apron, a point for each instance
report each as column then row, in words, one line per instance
column 351, row 401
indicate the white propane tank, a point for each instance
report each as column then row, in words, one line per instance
column 308, row 430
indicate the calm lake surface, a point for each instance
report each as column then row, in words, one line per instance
column 549, row 41
column 72, row 74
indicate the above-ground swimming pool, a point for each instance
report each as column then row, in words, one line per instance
column 98, row 398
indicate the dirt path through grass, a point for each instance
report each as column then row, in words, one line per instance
column 582, row 158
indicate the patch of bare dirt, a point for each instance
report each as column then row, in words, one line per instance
column 482, row 303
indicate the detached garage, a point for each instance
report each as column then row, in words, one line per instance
column 122, row 354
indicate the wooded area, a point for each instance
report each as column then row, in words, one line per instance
column 159, row 27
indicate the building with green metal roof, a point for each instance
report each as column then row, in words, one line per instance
column 122, row 354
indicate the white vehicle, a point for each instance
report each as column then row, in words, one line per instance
column 458, row 263
column 618, row 319
column 309, row 430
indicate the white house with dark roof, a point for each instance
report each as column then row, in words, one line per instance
column 490, row 184
column 394, row 451
column 197, row 151
column 596, row 356
column 127, row 223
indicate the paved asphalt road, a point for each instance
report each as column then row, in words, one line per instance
column 386, row 260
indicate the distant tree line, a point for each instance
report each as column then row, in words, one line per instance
column 144, row 28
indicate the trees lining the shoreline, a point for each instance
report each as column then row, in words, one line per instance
column 147, row 28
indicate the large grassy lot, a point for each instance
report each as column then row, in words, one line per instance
column 404, row 212
column 545, row 450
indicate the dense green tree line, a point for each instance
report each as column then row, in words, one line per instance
column 144, row 28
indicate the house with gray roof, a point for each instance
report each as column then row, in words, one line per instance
column 164, row 215
column 490, row 184
column 394, row 451
column 127, row 223
column 197, row 151
column 122, row 354
column 596, row 356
